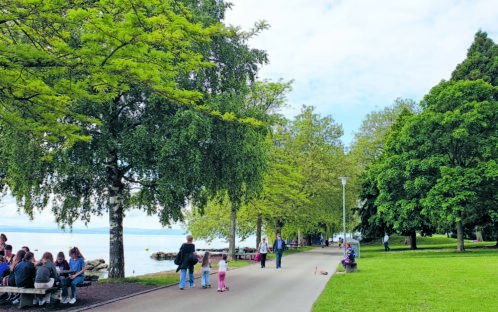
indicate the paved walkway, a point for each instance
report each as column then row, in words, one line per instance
column 295, row 287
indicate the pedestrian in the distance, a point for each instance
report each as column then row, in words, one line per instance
column 386, row 242
column 263, row 251
column 222, row 273
column 278, row 248
column 206, row 270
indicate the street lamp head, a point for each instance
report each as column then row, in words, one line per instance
column 344, row 179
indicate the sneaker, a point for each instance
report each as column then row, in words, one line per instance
column 192, row 286
column 15, row 301
column 181, row 288
column 65, row 300
column 219, row 290
column 209, row 286
column 41, row 302
column 72, row 301
column 35, row 300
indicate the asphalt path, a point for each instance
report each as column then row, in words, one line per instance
column 294, row 287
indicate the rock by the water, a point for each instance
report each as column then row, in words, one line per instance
column 160, row 255
column 97, row 265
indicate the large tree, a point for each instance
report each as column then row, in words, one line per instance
column 461, row 134
column 152, row 147
column 403, row 180
column 314, row 144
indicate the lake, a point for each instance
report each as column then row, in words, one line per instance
column 96, row 246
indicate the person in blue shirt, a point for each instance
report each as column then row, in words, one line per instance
column 77, row 264
column 4, row 267
column 278, row 249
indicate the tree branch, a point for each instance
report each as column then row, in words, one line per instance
column 112, row 53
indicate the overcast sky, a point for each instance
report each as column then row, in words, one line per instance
column 348, row 58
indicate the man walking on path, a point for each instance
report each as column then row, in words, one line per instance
column 278, row 248
column 386, row 243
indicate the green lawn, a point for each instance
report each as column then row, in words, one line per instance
column 155, row 281
column 434, row 278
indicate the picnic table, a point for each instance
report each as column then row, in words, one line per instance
column 27, row 294
column 65, row 272
column 244, row 255
column 292, row 246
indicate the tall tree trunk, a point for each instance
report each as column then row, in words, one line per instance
column 413, row 240
column 460, row 245
column 496, row 231
column 279, row 227
column 233, row 219
column 258, row 229
column 116, row 249
column 407, row 240
column 478, row 235
column 299, row 237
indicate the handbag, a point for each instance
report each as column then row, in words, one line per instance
column 257, row 258
column 193, row 260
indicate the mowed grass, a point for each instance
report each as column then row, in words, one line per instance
column 434, row 278
column 155, row 281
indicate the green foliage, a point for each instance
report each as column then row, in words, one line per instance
column 54, row 53
column 382, row 193
column 369, row 141
column 164, row 126
column 213, row 221
column 438, row 167
column 481, row 61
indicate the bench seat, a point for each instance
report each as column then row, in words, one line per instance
column 84, row 284
column 27, row 294
column 22, row 290
column 351, row 267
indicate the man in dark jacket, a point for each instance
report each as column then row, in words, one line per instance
column 278, row 249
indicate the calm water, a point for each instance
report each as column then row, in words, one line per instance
column 95, row 246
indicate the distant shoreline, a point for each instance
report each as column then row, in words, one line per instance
column 129, row 231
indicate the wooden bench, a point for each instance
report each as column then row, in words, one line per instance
column 84, row 284
column 27, row 294
column 351, row 267
column 244, row 256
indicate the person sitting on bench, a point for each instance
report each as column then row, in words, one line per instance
column 350, row 256
column 77, row 264
column 46, row 276
column 25, row 273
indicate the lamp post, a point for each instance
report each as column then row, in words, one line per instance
column 344, row 179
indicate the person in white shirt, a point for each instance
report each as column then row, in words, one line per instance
column 263, row 251
column 222, row 272
column 386, row 242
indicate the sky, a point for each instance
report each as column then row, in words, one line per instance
column 347, row 59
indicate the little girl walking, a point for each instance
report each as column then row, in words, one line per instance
column 222, row 272
column 206, row 270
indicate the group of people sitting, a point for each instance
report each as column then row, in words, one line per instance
column 22, row 270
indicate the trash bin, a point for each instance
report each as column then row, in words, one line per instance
column 355, row 245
